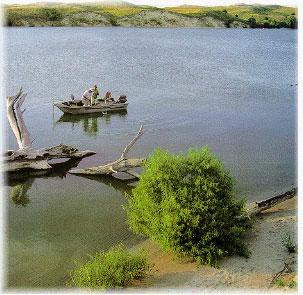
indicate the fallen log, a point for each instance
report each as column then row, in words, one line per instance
column 26, row 157
column 258, row 207
column 121, row 165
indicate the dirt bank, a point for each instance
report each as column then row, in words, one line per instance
column 268, row 257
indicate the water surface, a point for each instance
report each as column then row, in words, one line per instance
column 230, row 89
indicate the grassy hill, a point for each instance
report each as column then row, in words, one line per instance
column 108, row 13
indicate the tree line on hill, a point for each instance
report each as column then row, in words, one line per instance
column 53, row 16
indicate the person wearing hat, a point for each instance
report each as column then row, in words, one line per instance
column 86, row 96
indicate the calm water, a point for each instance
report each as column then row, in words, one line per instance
column 225, row 88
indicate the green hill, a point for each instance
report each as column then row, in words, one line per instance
column 122, row 13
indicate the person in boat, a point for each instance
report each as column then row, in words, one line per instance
column 94, row 95
column 122, row 98
column 108, row 97
column 86, row 96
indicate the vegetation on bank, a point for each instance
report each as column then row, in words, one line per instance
column 116, row 268
column 185, row 203
column 254, row 16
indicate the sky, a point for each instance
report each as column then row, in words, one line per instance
column 163, row 3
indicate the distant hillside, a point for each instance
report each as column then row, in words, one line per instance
column 122, row 13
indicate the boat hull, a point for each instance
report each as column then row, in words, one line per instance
column 99, row 108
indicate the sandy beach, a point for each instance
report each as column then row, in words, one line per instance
column 235, row 274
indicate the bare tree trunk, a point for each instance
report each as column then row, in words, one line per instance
column 26, row 157
column 121, row 165
column 23, row 140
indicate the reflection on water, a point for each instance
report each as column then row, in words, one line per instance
column 118, row 184
column 58, row 170
column 228, row 89
column 22, row 182
column 90, row 122
column 18, row 193
column 48, row 236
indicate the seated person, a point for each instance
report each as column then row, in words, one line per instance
column 122, row 98
column 108, row 97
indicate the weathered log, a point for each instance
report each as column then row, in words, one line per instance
column 258, row 207
column 58, row 170
column 39, row 159
column 121, row 165
column 26, row 157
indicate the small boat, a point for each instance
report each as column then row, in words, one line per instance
column 77, row 107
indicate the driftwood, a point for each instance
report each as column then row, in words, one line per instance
column 26, row 157
column 121, row 165
column 258, row 207
column 286, row 269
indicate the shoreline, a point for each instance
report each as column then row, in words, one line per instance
column 235, row 273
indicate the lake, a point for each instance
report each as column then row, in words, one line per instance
column 231, row 89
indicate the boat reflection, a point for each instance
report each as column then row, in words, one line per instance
column 90, row 122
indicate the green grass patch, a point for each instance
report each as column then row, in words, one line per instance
column 118, row 267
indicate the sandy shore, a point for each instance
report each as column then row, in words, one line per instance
column 235, row 274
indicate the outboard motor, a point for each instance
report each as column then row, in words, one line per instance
column 122, row 98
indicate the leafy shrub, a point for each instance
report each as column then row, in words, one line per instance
column 292, row 284
column 185, row 203
column 50, row 14
column 292, row 22
column 280, row 283
column 116, row 268
column 252, row 22
column 289, row 243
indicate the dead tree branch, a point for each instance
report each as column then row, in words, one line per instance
column 286, row 269
column 121, row 165
column 26, row 157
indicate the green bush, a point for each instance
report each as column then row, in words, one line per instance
column 289, row 243
column 50, row 14
column 116, row 268
column 185, row 203
column 252, row 22
column 292, row 284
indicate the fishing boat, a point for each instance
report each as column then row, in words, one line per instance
column 104, row 106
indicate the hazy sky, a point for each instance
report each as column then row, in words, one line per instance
column 162, row 3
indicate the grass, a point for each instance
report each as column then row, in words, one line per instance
column 277, row 13
column 107, row 270
column 289, row 243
